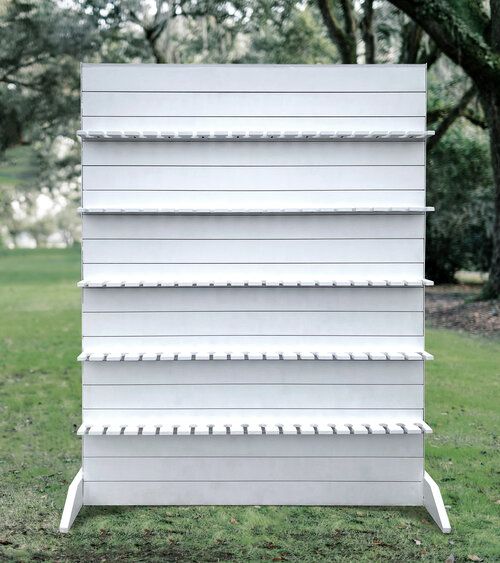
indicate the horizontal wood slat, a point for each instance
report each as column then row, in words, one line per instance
column 252, row 252
column 253, row 78
column 254, row 299
column 212, row 104
column 268, row 372
column 273, row 493
column 252, row 469
column 330, row 446
column 253, row 227
column 288, row 274
column 252, row 323
column 288, row 344
column 252, row 199
column 258, row 154
column 203, row 417
column 253, row 123
column 255, row 178
column 244, row 396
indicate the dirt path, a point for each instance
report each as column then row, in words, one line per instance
column 450, row 306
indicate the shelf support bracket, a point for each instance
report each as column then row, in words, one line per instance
column 74, row 501
column 433, row 502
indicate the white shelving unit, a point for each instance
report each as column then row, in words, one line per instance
column 253, row 287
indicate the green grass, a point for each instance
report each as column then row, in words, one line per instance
column 39, row 455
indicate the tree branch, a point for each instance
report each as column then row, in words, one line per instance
column 431, row 56
column 463, row 41
column 153, row 29
column 475, row 119
column 345, row 43
column 452, row 116
column 349, row 17
column 412, row 37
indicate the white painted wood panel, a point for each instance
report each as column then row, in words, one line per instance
column 320, row 373
column 254, row 299
column 252, row 199
column 272, row 396
column 254, row 493
column 252, row 252
column 253, row 123
column 259, row 154
column 213, row 469
column 253, row 227
column 254, row 178
column 251, row 344
column 203, row 417
column 199, row 409
column 254, row 446
column 253, row 78
column 212, row 104
column 235, row 323
column 245, row 272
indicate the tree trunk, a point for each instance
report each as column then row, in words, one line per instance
column 490, row 100
column 368, row 33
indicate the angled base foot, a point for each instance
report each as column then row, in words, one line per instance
column 433, row 501
column 74, row 502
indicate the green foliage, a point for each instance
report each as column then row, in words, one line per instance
column 40, row 45
column 294, row 34
column 40, row 390
column 18, row 171
column 460, row 187
column 43, row 41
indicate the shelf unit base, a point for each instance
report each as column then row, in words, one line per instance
column 432, row 500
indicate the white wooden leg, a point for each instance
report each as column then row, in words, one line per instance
column 74, row 502
column 433, row 501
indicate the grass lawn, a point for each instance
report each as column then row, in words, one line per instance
column 40, row 454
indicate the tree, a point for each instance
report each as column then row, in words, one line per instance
column 470, row 37
column 459, row 234
column 343, row 26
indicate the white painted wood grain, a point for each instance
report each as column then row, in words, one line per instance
column 244, row 396
column 321, row 373
column 214, row 469
column 252, row 199
column 259, row 154
column 245, row 272
column 252, row 343
column 253, row 78
column 253, row 227
column 254, row 446
column 254, row 178
column 252, row 252
column 212, row 104
column 349, row 299
column 253, row 123
column 235, row 323
column 237, row 417
column 254, row 493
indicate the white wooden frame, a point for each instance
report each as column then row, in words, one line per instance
column 253, row 287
